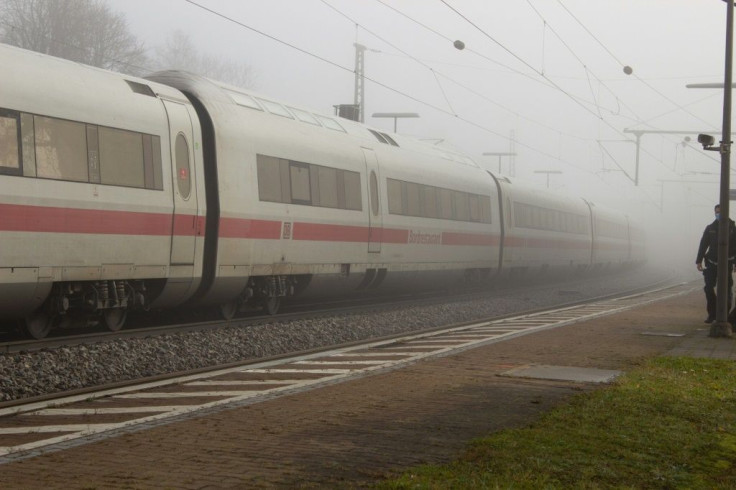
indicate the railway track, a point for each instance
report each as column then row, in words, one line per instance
column 33, row 427
column 292, row 311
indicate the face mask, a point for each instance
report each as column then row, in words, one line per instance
column 718, row 216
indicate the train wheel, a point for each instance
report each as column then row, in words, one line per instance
column 38, row 324
column 228, row 310
column 272, row 305
column 114, row 318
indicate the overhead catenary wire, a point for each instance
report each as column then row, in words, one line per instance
column 527, row 64
column 404, row 94
column 639, row 79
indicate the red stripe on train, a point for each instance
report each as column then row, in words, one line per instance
column 47, row 219
column 249, row 228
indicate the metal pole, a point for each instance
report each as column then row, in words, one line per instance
column 721, row 327
column 638, row 146
column 359, row 93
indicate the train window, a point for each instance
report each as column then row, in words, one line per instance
column 300, row 188
column 183, row 178
column 93, row 153
column 330, row 123
column 446, row 204
column 462, row 207
column 158, row 179
column 9, row 143
column 276, row 108
column 485, row 209
column 413, row 200
column 393, row 189
column 353, row 196
column 304, row 116
column 28, row 142
column 121, row 159
column 430, row 202
column 327, row 178
column 341, row 189
column 152, row 162
column 245, row 100
column 374, row 194
column 61, row 149
column 474, row 202
column 269, row 179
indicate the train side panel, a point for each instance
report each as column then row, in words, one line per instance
column 611, row 241
column 301, row 194
column 85, row 183
column 544, row 230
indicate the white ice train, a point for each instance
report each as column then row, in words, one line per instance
column 119, row 192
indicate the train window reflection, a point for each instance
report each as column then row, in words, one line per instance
column 304, row 116
column 61, row 149
column 300, row 188
column 413, row 199
column 275, row 108
column 27, row 141
column 327, row 178
column 121, row 157
column 292, row 182
column 426, row 201
column 353, row 196
column 9, row 158
column 330, row 123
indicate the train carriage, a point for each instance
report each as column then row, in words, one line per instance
column 296, row 188
column 611, row 238
column 544, row 230
column 88, row 202
column 119, row 192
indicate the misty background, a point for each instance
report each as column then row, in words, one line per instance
column 563, row 84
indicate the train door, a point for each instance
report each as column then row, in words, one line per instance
column 375, row 218
column 184, row 229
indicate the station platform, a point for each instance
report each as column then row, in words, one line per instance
column 355, row 433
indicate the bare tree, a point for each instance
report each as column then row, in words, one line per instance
column 86, row 31
column 179, row 53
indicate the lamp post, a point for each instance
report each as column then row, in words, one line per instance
column 721, row 327
column 499, row 154
column 395, row 115
column 548, row 172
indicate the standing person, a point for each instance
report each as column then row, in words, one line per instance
column 708, row 251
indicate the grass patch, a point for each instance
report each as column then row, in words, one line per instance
column 670, row 423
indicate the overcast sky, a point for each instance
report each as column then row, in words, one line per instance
column 548, row 72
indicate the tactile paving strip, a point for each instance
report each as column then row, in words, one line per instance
column 29, row 430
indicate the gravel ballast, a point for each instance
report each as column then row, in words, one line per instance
column 30, row 374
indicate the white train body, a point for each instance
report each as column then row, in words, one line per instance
column 118, row 192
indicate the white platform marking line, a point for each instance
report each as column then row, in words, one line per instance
column 328, row 362
column 44, row 429
column 413, row 357
column 367, row 354
column 297, row 371
column 282, row 382
column 438, row 340
column 184, row 394
column 88, row 430
column 105, row 411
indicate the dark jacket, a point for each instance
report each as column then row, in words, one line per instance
column 708, row 249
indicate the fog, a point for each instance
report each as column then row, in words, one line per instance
column 543, row 79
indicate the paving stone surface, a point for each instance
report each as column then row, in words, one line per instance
column 350, row 434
